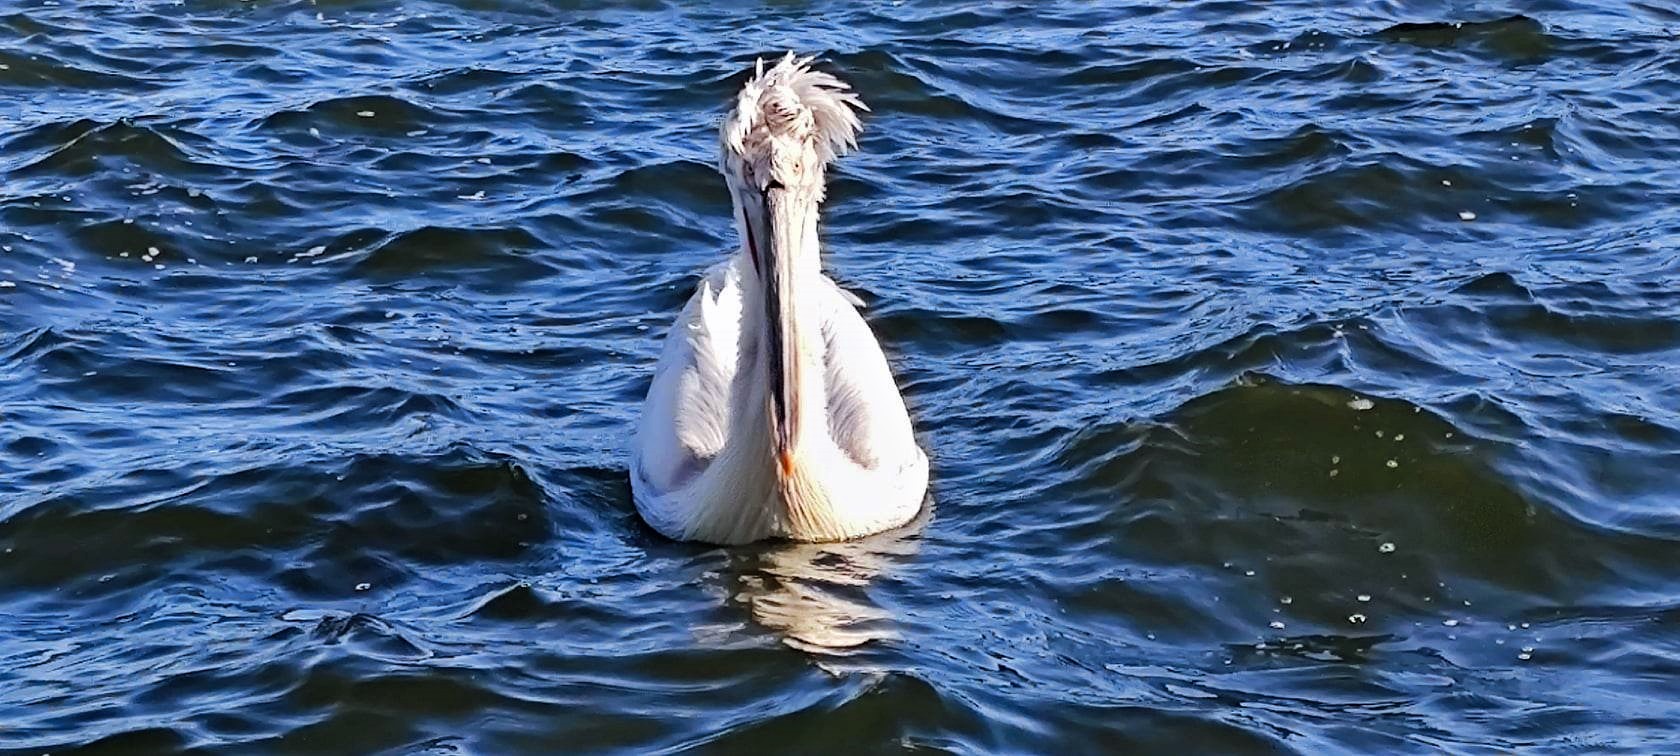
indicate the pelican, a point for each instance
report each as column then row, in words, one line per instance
column 772, row 413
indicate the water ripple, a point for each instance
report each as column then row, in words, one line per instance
column 1296, row 378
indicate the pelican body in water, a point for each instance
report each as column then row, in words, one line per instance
column 772, row 412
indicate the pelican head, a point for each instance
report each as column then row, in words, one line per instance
column 787, row 125
column 789, row 122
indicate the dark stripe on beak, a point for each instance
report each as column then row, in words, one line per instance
column 775, row 272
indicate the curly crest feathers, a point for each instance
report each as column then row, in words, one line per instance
column 791, row 105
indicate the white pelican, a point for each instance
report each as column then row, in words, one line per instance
column 772, row 413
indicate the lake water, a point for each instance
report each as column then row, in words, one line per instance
column 1296, row 378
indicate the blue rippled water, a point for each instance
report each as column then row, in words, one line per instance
column 1297, row 377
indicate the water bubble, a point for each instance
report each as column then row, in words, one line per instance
column 1277, row 625
column 1450, row 623
column 1361, row 404
column 1364, row 597
column 365, row 113
column 1392, row 463
column 363, row 586
column 1466, row 215
column 1357, row 619
column 1387, row 547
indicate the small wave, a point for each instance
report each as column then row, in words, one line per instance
column 18, row 71
column 1517, row 316
column 867, row 715
column 900, row 84
column 346, row 407
column 342, row 524
column 80, row 148
column 687, row 184
column 1515, row 37
column 437, row 250
column 944, row 332
column 348, row 115
column 1349, row 195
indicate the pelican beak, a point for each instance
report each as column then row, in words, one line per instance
column 776, row 243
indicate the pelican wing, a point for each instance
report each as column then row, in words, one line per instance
column 866, row 414
column 689, row 408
